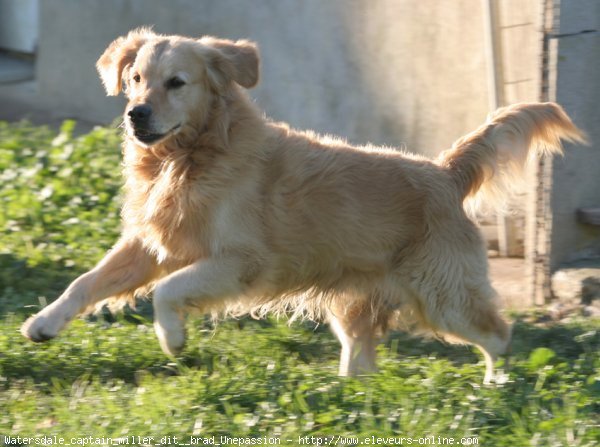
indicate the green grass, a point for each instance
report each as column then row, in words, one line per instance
column 106, row 376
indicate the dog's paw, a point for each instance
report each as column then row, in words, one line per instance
column 40, row 328
column 171, row 339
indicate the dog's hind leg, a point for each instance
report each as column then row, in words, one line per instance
column 356, row 329
column 477, row 321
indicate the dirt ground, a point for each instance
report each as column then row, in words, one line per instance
column 508, row 278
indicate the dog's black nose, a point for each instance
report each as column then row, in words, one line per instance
column 140, row 114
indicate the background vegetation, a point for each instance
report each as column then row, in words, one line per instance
column 106, row 376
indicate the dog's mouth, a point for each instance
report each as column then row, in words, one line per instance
column 148, row 138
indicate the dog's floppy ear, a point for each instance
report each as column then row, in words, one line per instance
column 231, row 61
column 118, row 55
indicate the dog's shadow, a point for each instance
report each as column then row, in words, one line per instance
column 566, row 340
column 315, row 344
column 22, row 285
column 307, row 343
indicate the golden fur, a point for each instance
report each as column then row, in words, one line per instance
column 226, row 211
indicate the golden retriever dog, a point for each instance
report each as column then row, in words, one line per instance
column 228, row 212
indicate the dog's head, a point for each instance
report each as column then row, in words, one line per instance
column 171, row 81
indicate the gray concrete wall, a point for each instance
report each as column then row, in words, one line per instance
column 576, row 177
column 395, row 72
column 520, row 29
column 19, row 25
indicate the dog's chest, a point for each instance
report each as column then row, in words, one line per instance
column 171, row 217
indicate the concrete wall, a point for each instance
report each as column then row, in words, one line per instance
column 395, row 72
column 576, row 177
column 520, row 29
column 19, row 25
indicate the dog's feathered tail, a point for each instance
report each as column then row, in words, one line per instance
column 488, row 164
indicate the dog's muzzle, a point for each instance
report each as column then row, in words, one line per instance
column 140, row 118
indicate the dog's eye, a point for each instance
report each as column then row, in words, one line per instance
column 174, row 83
column 137, row 78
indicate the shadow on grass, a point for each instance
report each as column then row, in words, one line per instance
column 68, row 358
column 105, row 348
column 21, row 284
column 568, row 341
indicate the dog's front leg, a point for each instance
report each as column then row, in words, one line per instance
column 206, row 284
column 125, row 268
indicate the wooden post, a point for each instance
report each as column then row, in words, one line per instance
column 539, row 218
